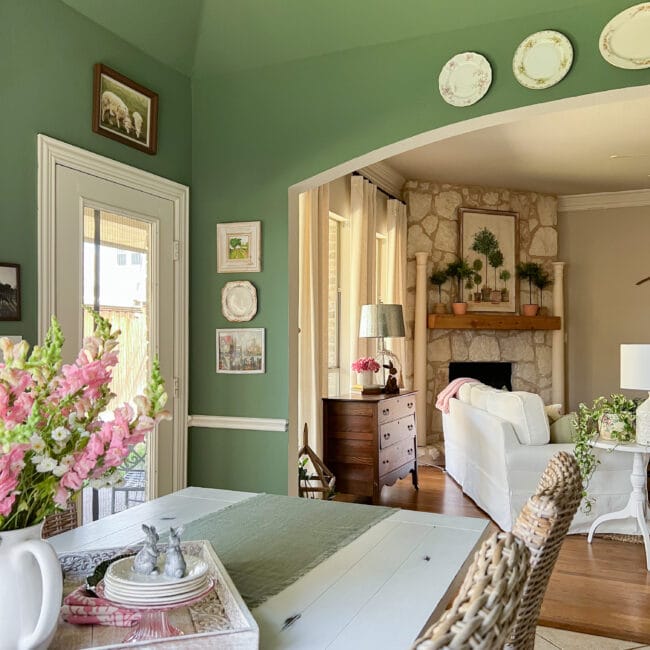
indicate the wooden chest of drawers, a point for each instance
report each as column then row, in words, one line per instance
column 369, row 441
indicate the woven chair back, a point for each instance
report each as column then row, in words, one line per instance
column 484, row 610
column 543, row 524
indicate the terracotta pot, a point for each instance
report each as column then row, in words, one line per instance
column 459, row 308
column 529, row 310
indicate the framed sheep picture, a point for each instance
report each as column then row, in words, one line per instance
column 124, row 110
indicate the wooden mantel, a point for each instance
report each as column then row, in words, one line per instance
column 477, row 321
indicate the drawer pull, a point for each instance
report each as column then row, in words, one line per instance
column 409, row 451
column 410, row 427
column 385, row 411
column 386, row 436
column 409, row 405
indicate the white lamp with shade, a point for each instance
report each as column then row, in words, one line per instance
column 635, row 375
column 382, row 321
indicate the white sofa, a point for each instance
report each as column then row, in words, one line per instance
column 497, row 446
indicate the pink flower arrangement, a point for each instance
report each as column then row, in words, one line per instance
column 365, row 364
column 56, row 435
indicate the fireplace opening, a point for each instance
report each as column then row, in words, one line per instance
column 493, row 373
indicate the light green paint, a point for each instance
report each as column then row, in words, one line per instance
column 257, row 132
column 164, row 29
column 47, row 52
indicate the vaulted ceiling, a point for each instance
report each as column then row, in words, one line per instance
column 228, row 36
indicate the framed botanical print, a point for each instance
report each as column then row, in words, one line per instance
column 9, row 291
column 489, row 241
column 239, row 247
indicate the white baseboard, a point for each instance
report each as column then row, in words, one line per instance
column 227, row 422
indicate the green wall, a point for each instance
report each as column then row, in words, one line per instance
column 258, row 132
column 47, row 52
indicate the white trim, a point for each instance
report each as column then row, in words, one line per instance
column 385, row 178
column 603, row 200
column 51, row 153
column 228, row 422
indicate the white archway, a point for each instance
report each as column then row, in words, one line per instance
column 428, row 137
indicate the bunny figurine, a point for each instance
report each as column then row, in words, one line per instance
column 147, row 558
column 175, row 563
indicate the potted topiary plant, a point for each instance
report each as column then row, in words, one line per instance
column 485, row 242
column 504, row 276
column 460, row 270
column 476, row 278
column 438, row 278
column 529, row 271
column 610, row 418
column 541, row 281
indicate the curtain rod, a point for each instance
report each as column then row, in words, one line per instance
column 383, row 191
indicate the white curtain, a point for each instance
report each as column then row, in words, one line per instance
column 363, row 196
column 396, row 261
column 312, row 309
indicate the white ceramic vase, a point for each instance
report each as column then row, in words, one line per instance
column 366, row 378
column 31, row 586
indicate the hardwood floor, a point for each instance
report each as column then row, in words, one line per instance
column 601, row 589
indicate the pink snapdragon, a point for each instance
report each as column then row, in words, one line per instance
column 11, row 465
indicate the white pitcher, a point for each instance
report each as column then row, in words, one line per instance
column 31, row 586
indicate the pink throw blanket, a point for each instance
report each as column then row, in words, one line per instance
column 451, row 390
column 80, row 609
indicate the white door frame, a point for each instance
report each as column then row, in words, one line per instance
column 53, row 152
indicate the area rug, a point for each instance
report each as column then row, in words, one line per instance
column 267, row 542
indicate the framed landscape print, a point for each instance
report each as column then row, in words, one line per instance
column 9, row 291
column 489, row 241
column 239, row 247
column 240, row 351
column 124, row 110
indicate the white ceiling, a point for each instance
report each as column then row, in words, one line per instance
column 568, row 152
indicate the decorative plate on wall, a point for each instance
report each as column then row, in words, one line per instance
column 625, row 41
column 464, row 79
column 239, row 301
column 542, row 59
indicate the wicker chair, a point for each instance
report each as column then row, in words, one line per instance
column 543, row 524
column 60, row 522
column 484, row 610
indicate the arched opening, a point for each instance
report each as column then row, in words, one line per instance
column 429, row 137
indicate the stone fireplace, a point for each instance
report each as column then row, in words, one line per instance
column 433, row 229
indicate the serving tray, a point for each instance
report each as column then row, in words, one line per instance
column 220, row 620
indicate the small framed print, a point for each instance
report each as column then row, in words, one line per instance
column 240, row 351
column 9, row 291
column 239, row 247
column 124, row 110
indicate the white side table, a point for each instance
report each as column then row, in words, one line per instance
column 637, row 506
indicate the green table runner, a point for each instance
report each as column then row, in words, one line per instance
column 267, row 542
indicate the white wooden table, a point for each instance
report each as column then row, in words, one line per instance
column 378, row 591
column 637, row 505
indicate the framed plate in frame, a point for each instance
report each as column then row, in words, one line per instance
column 492, row 237
column 241, row 351
column 239, row 247
column 9, row 291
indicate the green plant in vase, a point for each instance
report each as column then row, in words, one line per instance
column 438, row 278
column 542, row 281
column 504, row 276
column 529, row 271
column 460, row 270
column 611, row 418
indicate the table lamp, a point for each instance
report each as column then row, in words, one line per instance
column 382, row 321
column 635, row 374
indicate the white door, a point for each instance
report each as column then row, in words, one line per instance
column 117, row 248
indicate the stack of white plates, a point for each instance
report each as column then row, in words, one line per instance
column 123, row 585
